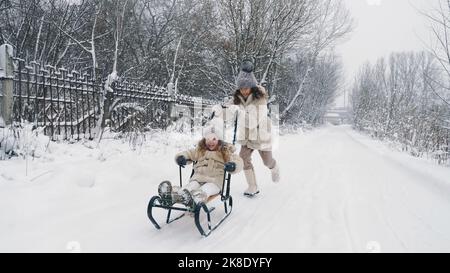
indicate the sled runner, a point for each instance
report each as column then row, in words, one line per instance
column 202, row 210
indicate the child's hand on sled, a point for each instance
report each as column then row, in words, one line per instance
column 230, row 167
column 181, row 161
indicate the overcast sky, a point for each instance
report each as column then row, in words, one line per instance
column 383, row 26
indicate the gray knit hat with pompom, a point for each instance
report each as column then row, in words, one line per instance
column 246, row 78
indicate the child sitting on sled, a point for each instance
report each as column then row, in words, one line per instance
column 212, row 157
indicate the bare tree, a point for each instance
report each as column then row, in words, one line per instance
column 105, row 105
column 195, row 45
column 439, row 19
column 334, row 23
column 262, row 31
column 395, row 99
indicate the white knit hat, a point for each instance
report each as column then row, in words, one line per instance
column 214, row 126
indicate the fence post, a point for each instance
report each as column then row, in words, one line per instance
column 170, row 89
column 109, row 99
column 6, row 84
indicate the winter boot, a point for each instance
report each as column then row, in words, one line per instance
column 165, row 192
column 275, row 174
column 176, row 196
column 252, row 189
column 186, row 198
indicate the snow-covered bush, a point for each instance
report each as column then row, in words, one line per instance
column 7, row 142
column 22, row 140
column 295, row 128
column 129, row 121
column 403, row 106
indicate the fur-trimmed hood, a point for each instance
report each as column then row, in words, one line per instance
column 225, row 150
column 259, row 93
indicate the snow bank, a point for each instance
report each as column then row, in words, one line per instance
column 23, row 141
column 424, row 167
column 339, row 192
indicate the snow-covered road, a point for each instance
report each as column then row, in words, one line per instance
column 340, row 192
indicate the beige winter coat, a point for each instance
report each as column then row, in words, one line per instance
column 210, row 164
column 254, row 125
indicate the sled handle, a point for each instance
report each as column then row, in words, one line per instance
column 181, row 177
column 235, row 128
column 227, row 175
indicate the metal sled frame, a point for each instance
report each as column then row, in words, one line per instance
column 200, row 208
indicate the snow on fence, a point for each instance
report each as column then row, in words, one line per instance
column 67, row 103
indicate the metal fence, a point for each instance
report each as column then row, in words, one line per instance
column 67, row 103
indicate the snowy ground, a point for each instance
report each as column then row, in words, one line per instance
column 340, row 192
